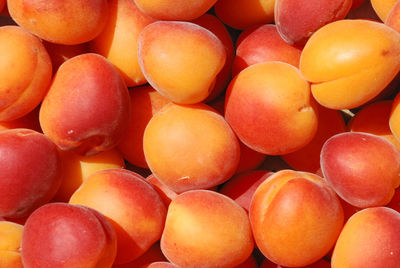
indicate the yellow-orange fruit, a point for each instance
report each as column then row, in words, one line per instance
column 10, row 244
column 66, row 22
column 175, row 9
column 190, row 147
column 180, row 59
column 25, row 72
column 383, row 7
column 118, row 41
column 349, row 62
column 206, row 229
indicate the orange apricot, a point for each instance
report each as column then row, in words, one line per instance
column 349, row 62
column 67, row 22
column 10, row 244
column 383, row 7
column 23, row 88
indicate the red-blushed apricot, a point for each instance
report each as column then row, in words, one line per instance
column 169, row 51
column 241, row 187
column 87, row 107
column 118, row 41
column 263, row 43
column 363, row 169
column 175, row 9
column 77, row 168
column 374, row 119
column 10, row 244
column 295, row 217
column 67, row 22
column 131, row 204
column 393, row 18
column 68, row 236
column 145, row 102
column 349, row 62
column 330, row 122
column 164, row 191
column 60, row 53
column 242, row 14
column 319, row 264
column 23, row 88
column 190, row 147
column 30, row 171
column 153, row 254
column 206, row 229
column 268, row 106
column 31, row 121
column 2, row 4
column 369, row 239
column 297, row 20
column 383, row 7
column 214, row 25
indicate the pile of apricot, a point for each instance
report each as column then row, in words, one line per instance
column 199, row 133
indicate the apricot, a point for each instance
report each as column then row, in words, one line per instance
column 185, row 154
column 118, row 41
column 67, row 22
column 87, row 107
column 393, row 18
column 241, row 187
column 351, row 167
column 68, row 236
column 131, row 204
column 374, row 119
column 369, row 239
column 295, row 217
column 10, row 244
column 180, row 60
column 60, row 53
column 161, row 264
column 383, row 7
column 242, row 14
column 263, row 43
column 349, row 62
column 206, row 229
column 145, row 102
column 213, row 24
column 30, row 171
column 330, row 122
column 297, row 20
column 175, row 9
column 268, row 106
column 23, row 88
column 77, row 168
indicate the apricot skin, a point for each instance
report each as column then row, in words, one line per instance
column 206, row 229
column 269, row 114
column 67, row 22
column 10, row 244
column 369, row 239
column 349, row 62
column 295, row 217
column 86, row 111
column 202, row 155
column 23, row 88
column 172, row 74
column 350, row 166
